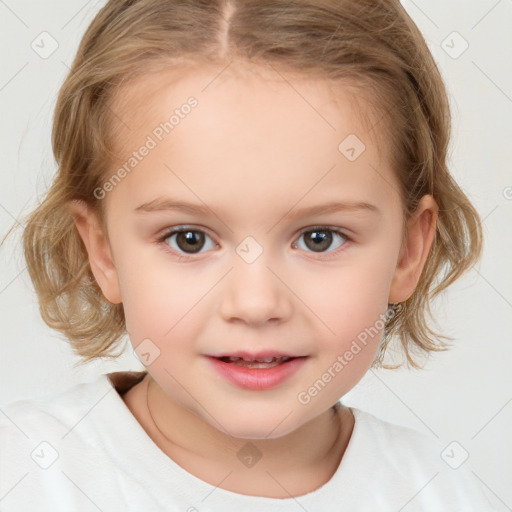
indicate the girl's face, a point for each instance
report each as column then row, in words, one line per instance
column 247, row 167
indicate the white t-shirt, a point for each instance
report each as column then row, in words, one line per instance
column 83, row 450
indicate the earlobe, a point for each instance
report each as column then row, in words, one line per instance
column 98, row 250
column 421, row 230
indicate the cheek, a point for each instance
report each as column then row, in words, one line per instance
column 350, row 299
column 351, row 304
column 348, row 337
column 160, row 303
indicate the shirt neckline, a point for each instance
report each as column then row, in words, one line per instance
column 135, row 449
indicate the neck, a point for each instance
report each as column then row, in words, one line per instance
column 291, row 465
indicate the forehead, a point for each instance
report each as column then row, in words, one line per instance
column 261, row 134
column 149, row 99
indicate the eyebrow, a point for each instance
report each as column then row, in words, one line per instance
column 168, row 204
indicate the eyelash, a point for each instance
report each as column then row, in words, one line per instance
column 162, row 240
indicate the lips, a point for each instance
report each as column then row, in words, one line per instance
column 264, row 356
column 264, row 362
column 257, row 371
column 264, row 359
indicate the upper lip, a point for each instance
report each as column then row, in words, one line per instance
column 254, row 355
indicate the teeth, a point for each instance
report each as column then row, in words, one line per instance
column 267, row 362
column 263, row 360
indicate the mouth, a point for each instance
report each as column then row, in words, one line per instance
column 266, row 362
column 257, row 371
column 263, row 359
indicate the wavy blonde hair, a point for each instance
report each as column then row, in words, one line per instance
column 371, row 44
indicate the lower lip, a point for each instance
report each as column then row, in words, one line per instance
column 257, row 378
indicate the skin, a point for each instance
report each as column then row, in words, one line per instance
column 254, row 150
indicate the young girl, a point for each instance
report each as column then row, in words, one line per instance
column 257, row 194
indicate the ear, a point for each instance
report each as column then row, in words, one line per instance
column 98, row 250
column 421, row 230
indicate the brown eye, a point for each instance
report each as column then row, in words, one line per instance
column 186, row 241
column 192, row 240
column 319, row 240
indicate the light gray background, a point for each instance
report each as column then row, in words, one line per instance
column 463, row 395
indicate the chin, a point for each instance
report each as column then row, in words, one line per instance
column 257, row 426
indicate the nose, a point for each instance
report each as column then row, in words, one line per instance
column 255, row 294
